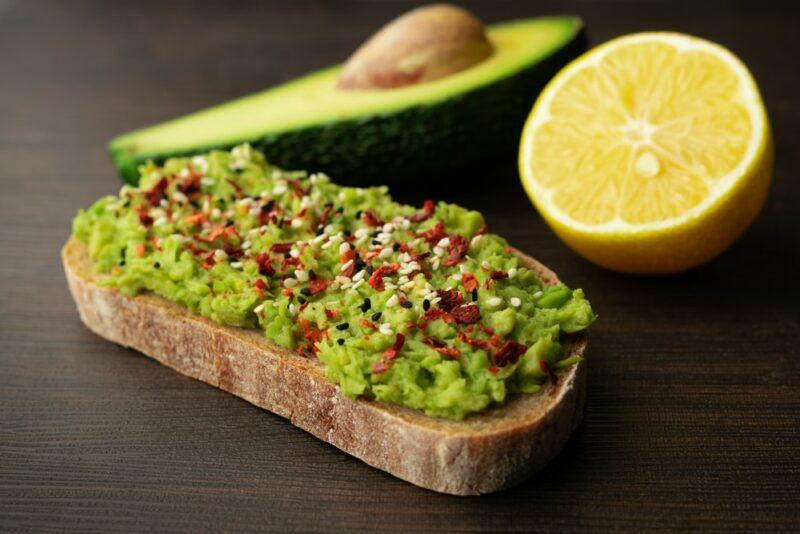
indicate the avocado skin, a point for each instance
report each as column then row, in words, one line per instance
column 460, row 136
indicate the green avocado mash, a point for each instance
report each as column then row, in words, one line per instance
column 418, row 307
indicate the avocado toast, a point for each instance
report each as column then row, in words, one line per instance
column 409, row 338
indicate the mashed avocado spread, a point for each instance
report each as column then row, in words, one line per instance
column 418, row 307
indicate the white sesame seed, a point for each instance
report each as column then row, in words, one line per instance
column 216, row 213
column 405, row 257
column 443, row 242
column 161, row 221
column 385, row 253
column 301, row 275
column 295, row 253
column 388, row 228
column 258, row 309
column 456, row 277
column 344, row 247
column 179, row 197
column 329, row 229
column 246, row 245
column 392, row 301
column 292, row 309
column 220, row 254
column 346, row 265
column 297, row 223
column 289, row 282
column 475, row 240
column 358, row 283
column 390, row 286
column 512, row 272
column 494, row 302
column 359, row 275
column 537, row 294
column 385, row 329
column 319, row 239
column 279, row 189
column 237, row 264
column 515, row 301
column 207, row 181
column 361, row 232
column 438, row 252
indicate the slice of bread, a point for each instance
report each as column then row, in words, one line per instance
column 480, row 454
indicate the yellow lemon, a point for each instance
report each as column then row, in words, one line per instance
column 651, row 153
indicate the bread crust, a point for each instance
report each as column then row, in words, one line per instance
column 480, row 454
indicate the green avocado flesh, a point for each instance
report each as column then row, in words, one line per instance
column 417, row 307
column 476, row 115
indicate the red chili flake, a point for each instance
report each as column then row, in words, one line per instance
column 323, row 217
column 371, row 218
column 437, row 313
column 264, row 265
column 509, row 353
column 450, row 299
column 495, row 341
column 208, row 260
column 473, row 342
column 492, row 369
column 280, row 248
column 466, row 314
column 428, row 209
column 157, row 192
column 366, row 323
column 304, row 305
column 498, row 275
column 392, row 352
column 190, row 184
column 441, row 347
column 145, row 219
column 419, row 256
column 139, row 250
column 297, row 188
column 469, row 282
column 486, row 330
column 376, row 280
column 459, row 245
column 287, row 293
column 260, row 286
column 434, row 234
column 317, row 285
column 236, row 187
column 332, row 314
column 195, row 219
column 234, row 253
column 549, row 372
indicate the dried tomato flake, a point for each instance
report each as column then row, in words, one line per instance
column 145, row 219
column 428, row 209
column 371, row 218
column 376, row 279
column 157, row 192
column 450, row 299
column 190, row 185
column 498, row 275
column 317, row 285
column 392, row 352
column 434, row 234
column 458, row 248
column 469, row 282
column 509, row 353
column 280, row 247
column 466, row 314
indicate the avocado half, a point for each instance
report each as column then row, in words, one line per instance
column 469, row 120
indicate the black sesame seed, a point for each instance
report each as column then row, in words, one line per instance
column 342, row 326
column 396, row 247
column 122, row 263
column 376, row 242
column 358, row 214
column 311, row 274
column 426, row 305
column 157, row 265
column 306, row 291
column 406, row 304
column 126, row 204
column 123, row 252
column 328, row 204
column 376, row 316
column 370, row 269
column 301, row 300
column 475, row 294
column 286, row 256
column 366, row 305
column 340, row 341
column 229, row 223
column 347, row 233
column 319, row 230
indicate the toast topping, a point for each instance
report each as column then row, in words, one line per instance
column 419, row 307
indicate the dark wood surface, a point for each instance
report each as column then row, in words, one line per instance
column 694, row 385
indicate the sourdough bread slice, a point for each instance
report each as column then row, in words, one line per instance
column 480, row 454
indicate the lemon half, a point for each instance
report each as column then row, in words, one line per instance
column 651, row 153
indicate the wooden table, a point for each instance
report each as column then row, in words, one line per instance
column 693, row 416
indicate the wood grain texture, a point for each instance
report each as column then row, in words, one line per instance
column 693, row 413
